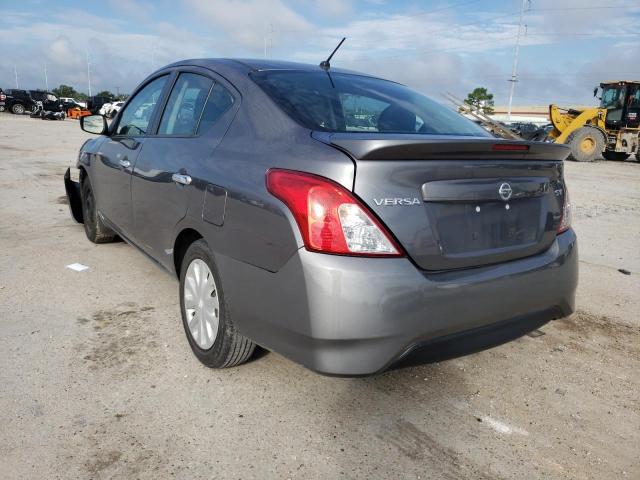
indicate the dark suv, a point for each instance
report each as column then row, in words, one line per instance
column 19, row 101
column 50, row 102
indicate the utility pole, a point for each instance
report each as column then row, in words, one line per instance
column 516, row 54
column 88, row 72
column 268, row 35
column 46, row 79
column 15, row 71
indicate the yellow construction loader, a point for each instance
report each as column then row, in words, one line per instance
column 612, row 129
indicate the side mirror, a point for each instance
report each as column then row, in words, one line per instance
column 595, row 91
column 96, row 124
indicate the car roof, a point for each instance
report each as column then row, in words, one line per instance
column 248, row 65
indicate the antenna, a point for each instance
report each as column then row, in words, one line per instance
column 325, row 65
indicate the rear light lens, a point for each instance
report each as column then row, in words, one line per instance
column 565, row 221
column 330, row 218
column 510, row 147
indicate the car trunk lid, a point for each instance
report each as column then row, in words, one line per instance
column 459, row 202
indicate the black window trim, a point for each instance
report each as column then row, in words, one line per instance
column 166, row 103
column 174, row 73
column 205, row 73
column 154, row 118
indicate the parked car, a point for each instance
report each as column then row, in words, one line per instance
column 110, row 110
column 104, row 109
column 19, row 101
column 47, row 100
column 71, row 102
column 95, row 103
column 348, row 248
column 115, row 108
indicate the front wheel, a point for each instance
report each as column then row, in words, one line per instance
column 586, row 144
column 94, row 227
column 205, row 316
column 18, row 108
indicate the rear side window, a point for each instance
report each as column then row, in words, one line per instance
column 339, row 102
column 185, row 105
column 219, row 102
column 136, row 117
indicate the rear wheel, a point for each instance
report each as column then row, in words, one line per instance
column 586, row 144
column 205, row 316
column 611, row 155
column 94, row 227
column 17, row 108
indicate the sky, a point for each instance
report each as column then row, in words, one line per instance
column 566, row 46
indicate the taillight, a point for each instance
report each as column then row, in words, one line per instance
column 3, row 97
column 510, row 147
column 330, row 218
column 565, row 221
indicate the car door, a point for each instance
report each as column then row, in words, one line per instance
column 116, row 157
column 167, row 176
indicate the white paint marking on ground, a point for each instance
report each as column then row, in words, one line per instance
column 78, row 267
column 501, row 427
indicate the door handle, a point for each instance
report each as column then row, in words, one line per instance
column 125, row 163
column 181, row 178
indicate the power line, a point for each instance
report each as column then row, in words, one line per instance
column 599, row 7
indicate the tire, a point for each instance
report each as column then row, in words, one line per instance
column 94, row 227
column 586, row 144
column 610, row 155
column 18, row 108
column 638, row 157
column 218, row 346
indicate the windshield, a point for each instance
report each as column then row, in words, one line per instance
column 338, row 102
column 612, row 97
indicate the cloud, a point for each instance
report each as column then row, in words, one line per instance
column 249, row 22
column 569, row 46
column 334, row 8
column 132, row 8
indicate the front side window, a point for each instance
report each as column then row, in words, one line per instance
column 186, row 103
column 136, row 117
column 339, row 102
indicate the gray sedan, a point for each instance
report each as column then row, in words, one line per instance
column 345, row 221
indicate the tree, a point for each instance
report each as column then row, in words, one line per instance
column 65, row 91
column 107, row 94
column 480, row 100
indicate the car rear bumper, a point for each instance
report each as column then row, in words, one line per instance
column 359, row 316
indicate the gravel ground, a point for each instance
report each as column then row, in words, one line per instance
column 97, row 379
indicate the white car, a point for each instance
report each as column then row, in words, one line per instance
column 73, row 100
column 115, row 108
column 105, row 109
column 109, row 110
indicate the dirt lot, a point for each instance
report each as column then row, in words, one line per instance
column 97, row 379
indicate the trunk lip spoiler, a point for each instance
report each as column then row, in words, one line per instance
column 380, row 146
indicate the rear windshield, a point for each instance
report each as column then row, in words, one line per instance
column 338, row 102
